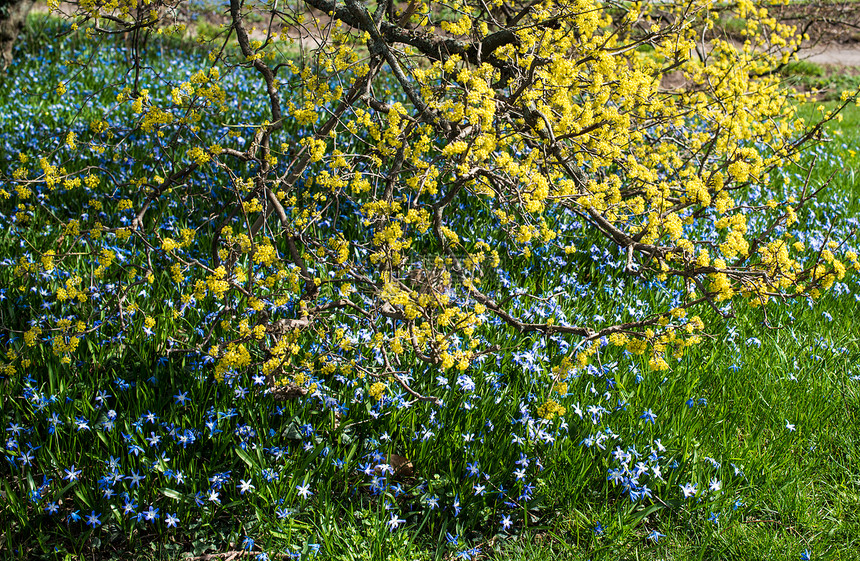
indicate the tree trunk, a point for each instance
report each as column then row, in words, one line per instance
column 13, row 13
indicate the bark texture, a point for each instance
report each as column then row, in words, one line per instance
column 13, row 13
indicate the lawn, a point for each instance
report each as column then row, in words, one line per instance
column 747, row 448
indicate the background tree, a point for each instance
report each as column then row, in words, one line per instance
column 13, row 13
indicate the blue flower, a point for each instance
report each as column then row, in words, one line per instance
column 304, row 490
column 129, row 507
column 469, row 553
column 72, row 474
column 135, row 478
column 151, row 514
column 93, row 519
column 394, row 522
column 689, row 490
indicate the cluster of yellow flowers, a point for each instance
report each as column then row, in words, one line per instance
column 550, row 409
column 566, row 117
column 377, row 390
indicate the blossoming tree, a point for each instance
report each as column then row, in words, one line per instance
column 357, row 224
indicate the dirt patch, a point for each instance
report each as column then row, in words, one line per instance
column 835, row 54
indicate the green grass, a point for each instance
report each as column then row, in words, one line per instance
column 826, row 82
column 803, row 68
column 801, row 489
column 797, row 490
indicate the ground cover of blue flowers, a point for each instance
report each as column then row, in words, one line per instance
column 748, row 448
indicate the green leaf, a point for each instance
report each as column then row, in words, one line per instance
column 80, row 495
column 12, row 499
column 172, row 494
column 245, row 457
column 102, row 437
column 292, row 431
column 647, row 512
